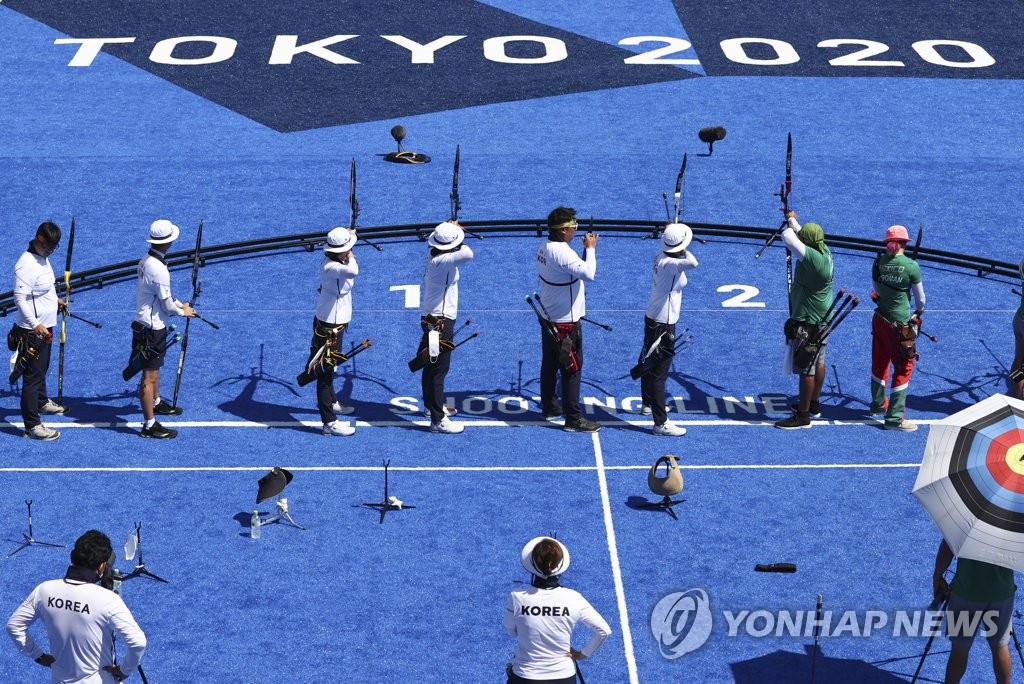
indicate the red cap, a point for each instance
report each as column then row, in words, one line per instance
column 896, row 233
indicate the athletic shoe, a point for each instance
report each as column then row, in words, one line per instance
column 158, row 431
column 902, row 426
column 669, row 430
column 554, row 412
column 448, row 411
column 41, row 432
column 162, row 408
column 795, row 422
column 53, row 408
column 581, row 425
column 815, row 409
column 342, row 410
column 337, row 429
column 878, row 410
column 645, row 410
column 447, row 427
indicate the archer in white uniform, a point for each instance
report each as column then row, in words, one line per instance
column 563, row 305
column 338, row 273
column 543, row 616
column 669, row 278
column 35, row 295
column 154, row 306
column 440, row 309
column 81, row 619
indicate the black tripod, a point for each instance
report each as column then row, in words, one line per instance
column 113, row 638
column 665, row 504
column 390, row 503
column 940, row 606
column 140, row 567
column 29, row 539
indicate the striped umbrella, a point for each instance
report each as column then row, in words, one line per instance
column 971, row 481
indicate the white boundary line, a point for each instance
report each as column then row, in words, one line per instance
column 470, row 422
column 620, row 591
column 454, row 469
column 718, row 309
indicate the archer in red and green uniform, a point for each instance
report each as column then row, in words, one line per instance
column 897, row 278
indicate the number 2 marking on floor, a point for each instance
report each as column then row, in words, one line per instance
column 741, row 300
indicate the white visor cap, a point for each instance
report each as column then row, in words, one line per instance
column 527, row 558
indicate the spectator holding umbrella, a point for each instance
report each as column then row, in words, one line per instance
column 980, row 599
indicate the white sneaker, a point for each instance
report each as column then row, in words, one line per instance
column 342, row 410
column 902, row 426
column 669, row 430
column 52, row 408
column 447, row 427
column 645, row 410
column 42, row 432
column 449, row 411
column 338, row 429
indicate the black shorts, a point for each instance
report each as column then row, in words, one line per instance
column 150, row 344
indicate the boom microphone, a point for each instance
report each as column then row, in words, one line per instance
column 398, row 133
column 711, row 135
column 400, row 157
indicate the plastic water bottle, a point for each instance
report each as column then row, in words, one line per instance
column 254, row 526
column 116, row 582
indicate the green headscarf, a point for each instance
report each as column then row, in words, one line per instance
column 812, row 235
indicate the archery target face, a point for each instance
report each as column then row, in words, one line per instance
column 986, row 468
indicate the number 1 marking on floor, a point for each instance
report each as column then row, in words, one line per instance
column 412, row 295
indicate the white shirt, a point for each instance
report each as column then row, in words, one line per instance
column 80, row 620
column 441, row 282
column 562, row 272
column 793, row 243
column 34, row 291
column 669, row 279
column 336, row 280
column 154, row 305
column 542, row 620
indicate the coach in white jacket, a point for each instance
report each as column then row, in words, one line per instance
column 542, row 618
column 81, row 619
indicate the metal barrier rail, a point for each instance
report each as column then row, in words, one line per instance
column 97, row 278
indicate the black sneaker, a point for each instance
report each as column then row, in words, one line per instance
column 158, row 431
column 815, row 409
column 165, row 409
column 581, row 425
column 553, row 412
column 795, row 422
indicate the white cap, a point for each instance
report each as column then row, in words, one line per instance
column 527, row 558
column 162, row 231
column 676, row 238
column 340, row 240
column 446, row 236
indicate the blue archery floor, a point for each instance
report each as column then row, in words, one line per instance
column 420, row 596
column 430, row 581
